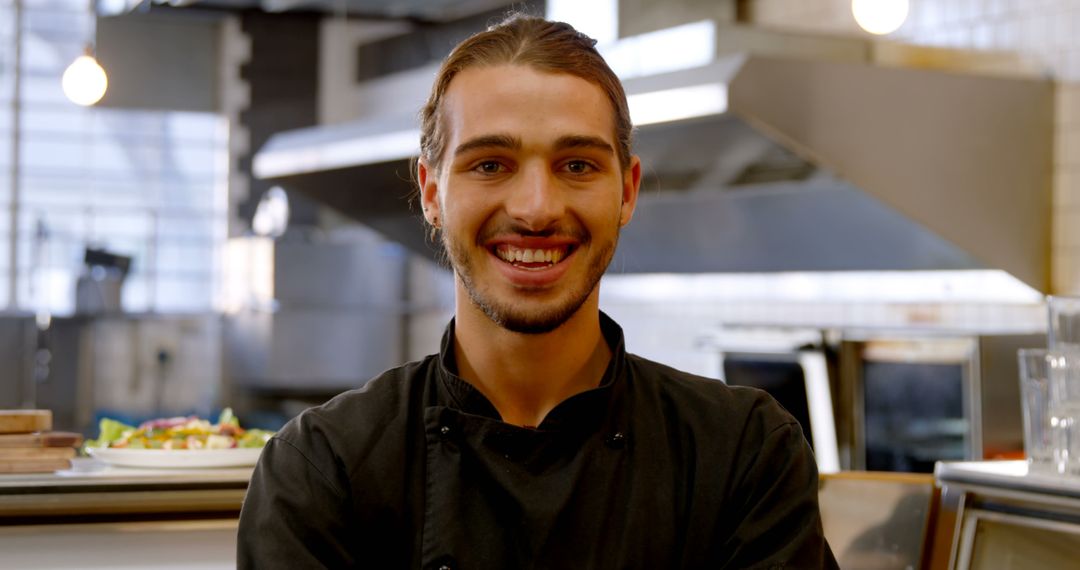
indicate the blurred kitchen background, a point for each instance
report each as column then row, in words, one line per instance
column 866, row 225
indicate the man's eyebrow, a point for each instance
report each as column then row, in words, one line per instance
column 489, row 141
column 583, row 141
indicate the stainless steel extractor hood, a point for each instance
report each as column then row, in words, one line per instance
column 806, row 160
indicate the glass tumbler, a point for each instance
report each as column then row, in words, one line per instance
column 1035, row 405
column 1050, row 390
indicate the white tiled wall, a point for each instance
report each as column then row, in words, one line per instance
column 1046, row 33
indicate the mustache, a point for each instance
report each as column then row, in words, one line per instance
column 570, row 231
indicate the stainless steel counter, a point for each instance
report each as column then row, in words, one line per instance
column 106, row 518
column 997, row 514
column 117, row 493
column 1011, row 475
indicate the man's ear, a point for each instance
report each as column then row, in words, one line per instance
column 427, row 178
column 631, row 185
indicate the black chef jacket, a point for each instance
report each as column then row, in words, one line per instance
column 654, row 468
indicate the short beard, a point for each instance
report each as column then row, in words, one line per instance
column 505, row 316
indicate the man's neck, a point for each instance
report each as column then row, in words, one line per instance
column 526, row 375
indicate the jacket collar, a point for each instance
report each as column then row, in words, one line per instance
column 587, row 407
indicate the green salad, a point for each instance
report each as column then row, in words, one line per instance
column 180, row 433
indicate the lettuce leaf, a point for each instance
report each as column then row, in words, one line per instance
column 109, row 430
column 228, row 418
column 254, row 438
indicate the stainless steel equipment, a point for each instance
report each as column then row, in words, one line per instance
column 914, row 400
column 130, row 366
column 314, row 317
column 885, row 400
column 100, row 286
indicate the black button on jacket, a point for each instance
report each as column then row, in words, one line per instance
column 655, row 468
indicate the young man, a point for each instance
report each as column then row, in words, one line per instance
column 533, row 439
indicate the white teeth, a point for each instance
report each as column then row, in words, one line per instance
column 516, row 255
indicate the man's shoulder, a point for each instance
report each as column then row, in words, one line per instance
column 709, row 400
column 683, row 385
column 390, row 387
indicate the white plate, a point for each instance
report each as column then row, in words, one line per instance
column 177, row 458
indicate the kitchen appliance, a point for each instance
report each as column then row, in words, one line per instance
column 314, row 317
column 884, row 400
column 101, row 284
column 917, row 399
column 130, row 366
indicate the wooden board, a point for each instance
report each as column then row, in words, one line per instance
column 42, row 439
column 35, row 453
column 25, row 421
column 33, row 466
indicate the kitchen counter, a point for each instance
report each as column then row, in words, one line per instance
column 93, row 490
column 100, row 517
column 997, row 514
column 1007, row 475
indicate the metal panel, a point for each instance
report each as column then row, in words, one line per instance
column 339, row 275
column 165, row 62
column 334, row 319
column 781, row 227
column 967, row 157
column 314, row 350
column 877, row 520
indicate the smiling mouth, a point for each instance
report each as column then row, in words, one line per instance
column 533, row 259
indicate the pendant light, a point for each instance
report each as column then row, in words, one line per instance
column 85, row 81
column 880, row 17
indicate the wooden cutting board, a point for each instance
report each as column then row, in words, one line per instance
column 45, row 439
column 36, row 453
column 25, row 421
column 33, row 465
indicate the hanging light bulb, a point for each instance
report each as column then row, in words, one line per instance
column 84, row 81
column 272, row 214
column 880, row 17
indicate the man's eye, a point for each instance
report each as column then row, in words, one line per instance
column 579, row 167
column 489, row 167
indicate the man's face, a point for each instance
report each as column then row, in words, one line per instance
column 530, row 194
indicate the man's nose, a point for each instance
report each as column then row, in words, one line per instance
column 536, row 200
